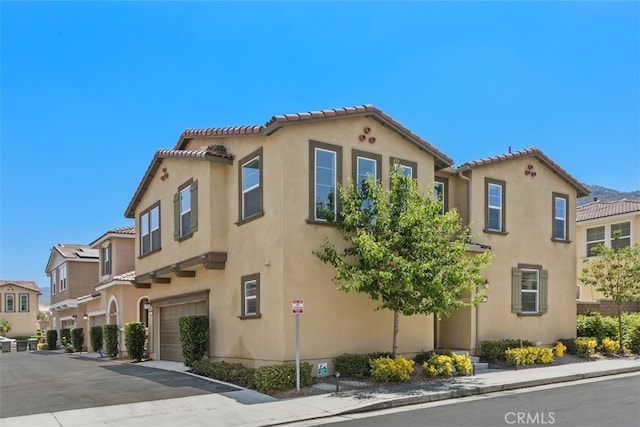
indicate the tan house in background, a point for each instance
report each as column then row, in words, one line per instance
column 227, row 221
column 597, row 223
column 521, row 205
column 113, row 300
column 72, row 269
column 19, row 305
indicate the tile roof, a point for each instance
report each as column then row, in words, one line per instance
column 129, row 229
column 71, row 250
column 25, row 284
column 211, row 153
column 279, row 121
column 582, row 189
column 127, row 277
column 602, row 209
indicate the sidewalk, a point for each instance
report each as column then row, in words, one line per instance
column 250, row 408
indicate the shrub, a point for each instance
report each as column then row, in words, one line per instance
column 110, row 337
column 194, row 338
column 386, row 369
column 597, row 326
column 95, row 337
column 559, row 349
column 65, row 337
column 609, row 346
column 135, row 338
column 281, row 377
column 356, row 365
column 438, row 365
column 632, row 339
column 585, row 346
column 52, row 339
column 462, row 363
column 77, row 339
column 529, row 356
column 570, row 345
column 494, row 350
column 235, row 373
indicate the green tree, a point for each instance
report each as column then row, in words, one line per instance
column 616, row 273
column 5, row 326
column 403, row 252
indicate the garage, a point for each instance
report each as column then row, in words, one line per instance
column 170, row 311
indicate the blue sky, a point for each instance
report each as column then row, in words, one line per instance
column 89, row 91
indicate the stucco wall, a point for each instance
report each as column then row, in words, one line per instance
column 22, row 323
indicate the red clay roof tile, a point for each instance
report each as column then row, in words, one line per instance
column 602, row 209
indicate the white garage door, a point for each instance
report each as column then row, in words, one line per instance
column 170, row 348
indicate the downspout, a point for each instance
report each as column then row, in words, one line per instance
column 477, row 307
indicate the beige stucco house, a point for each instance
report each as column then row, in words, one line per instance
column 19, row 305
column 227, row 221
column 72, row 269
column 597, row 223
column 113, row 300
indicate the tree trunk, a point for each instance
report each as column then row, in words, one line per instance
column 396, row 327
column 620, row 328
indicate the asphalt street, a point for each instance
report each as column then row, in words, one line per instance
column 41, row 382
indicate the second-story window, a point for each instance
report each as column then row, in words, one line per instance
column 9, row 302
column 620, row 235
column 24, row 302
column 54, row 282
column 150, row 230
column 365, row 165
column 495, row 205
column 440, row 192
column 106, row 260
column 325, row 173
column 560, row 223
column 251, row 186
column 63, row 277
column 595, row 237
column 185, row 203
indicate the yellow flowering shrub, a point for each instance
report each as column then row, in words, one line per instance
column 438, row 365
column 529, row 356
column 559, row 349
column 585, row 346
column 463, row 364
column 609, row 346
column 385, row 369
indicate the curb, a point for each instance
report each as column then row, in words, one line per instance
column 465, row 391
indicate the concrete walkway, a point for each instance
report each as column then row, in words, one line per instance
column 250, row 408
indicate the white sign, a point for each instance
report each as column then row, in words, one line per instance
column 297, row 306
column 322, row 369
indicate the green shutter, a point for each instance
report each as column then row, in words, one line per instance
column 544, row 276
column 516, row 287
column 194, row 206
column 176, row 216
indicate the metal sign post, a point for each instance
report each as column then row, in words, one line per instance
column 297, row 308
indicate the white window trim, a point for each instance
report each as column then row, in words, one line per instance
column 442, row 185
column 498, row 208
column 608, row 237
column 375, row 168
column 562, row 218
column 63, row 278
column 253, row 187
column 315, row 183
column 12, row 297
column 186, row 189
column 529, row 291
column 20, row 296
column 248, row 298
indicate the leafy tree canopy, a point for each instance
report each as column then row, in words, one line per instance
column 403, row 251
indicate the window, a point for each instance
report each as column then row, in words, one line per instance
column 325, row 169
column 495, row 201
column 408, row 168
column 621, row 235
column 9, row 302
column 440, row 191
column 250, row 186
column 24, row 302
column 365, row 165
column 560, row 205
column 63, row 278
column 529, row 289
column 595, row 237
column 251, row 296
column 54, row 281
column 150, row 230
column 106, row 260
column 185, row 210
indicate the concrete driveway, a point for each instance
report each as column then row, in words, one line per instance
column 46, row 381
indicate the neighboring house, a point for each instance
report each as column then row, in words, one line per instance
column 72, row 270
column 228, row 219
column 598, row 223
column 19, row 305
column 114, row 300
column 522, row 205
